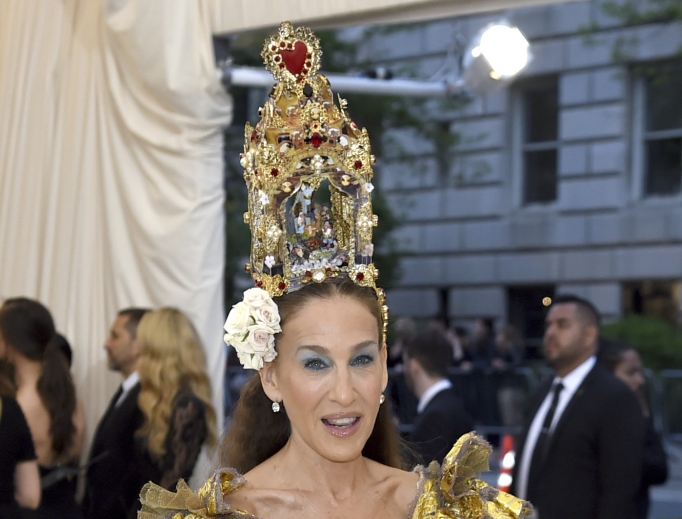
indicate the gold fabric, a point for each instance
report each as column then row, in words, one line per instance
column 450, row 491
column 453, row 490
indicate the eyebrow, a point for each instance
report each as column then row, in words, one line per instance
column 324, row 351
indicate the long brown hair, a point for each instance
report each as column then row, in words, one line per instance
column 256, row 433
column 27, row 326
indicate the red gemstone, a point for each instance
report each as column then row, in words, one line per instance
column 358, row 164
column 282, row 44
column 274, row 172
column 316, row 140
column 360, row 276
column 328, row 270
column 254, row 135
column 294, row 59
column 308, row 274
column 281, row 285
column 278, row 58
column 259, row 284
column 273, row 47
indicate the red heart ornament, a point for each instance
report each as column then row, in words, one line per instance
column 294, row 59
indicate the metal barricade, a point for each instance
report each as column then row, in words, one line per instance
column 670, row 390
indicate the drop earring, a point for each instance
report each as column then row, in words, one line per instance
column 275, row 407
column 382, row 399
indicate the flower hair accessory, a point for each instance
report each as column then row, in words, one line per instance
column 251, row 326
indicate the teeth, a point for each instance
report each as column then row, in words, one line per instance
column 342, row 421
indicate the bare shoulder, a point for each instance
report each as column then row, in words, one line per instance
column 401, row 485
column 261, row 493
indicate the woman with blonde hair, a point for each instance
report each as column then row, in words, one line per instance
column 175, row 397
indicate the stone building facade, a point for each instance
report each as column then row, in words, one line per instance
column 567, row 181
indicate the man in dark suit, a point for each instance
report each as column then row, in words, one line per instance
column 111, row 489
column 580, row 456
column 441, row 417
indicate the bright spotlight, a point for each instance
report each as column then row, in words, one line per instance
column 505, row 48
column 495, row 56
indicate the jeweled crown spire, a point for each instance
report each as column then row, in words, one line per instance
column 308, row 169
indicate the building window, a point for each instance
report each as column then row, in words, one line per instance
column 662, row 130
column 653, row 298
column 526, row 310
column 540, row 117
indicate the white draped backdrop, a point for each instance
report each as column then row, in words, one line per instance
column 111, row 169
column 111, row 157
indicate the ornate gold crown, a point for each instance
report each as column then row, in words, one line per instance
column 308, row 169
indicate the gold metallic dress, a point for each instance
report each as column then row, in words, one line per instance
column 450, row 491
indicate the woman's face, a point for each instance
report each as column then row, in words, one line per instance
column 329, row 373
column 629, row 370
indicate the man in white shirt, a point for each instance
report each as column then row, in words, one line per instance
column 441, row 418
column 111, row 483
column 581, row 454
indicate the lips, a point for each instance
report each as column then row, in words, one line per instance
column 342, row 426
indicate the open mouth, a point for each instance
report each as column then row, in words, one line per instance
column 342, row 426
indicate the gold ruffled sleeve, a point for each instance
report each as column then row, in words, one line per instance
column 453, row 491
column 208, row 503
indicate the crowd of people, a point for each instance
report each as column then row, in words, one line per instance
column 153, row 429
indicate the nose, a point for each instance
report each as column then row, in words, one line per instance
column 342, row 391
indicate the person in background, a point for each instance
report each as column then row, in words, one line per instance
column 464, row 338
column 581, row 452
column 62, row 344
column 400, row 396
column 624, row 362
column 404, row 329
column 510, row 388
column 19, row 477
column 111, row 483
column 441, row 417
column 484, row 343
column 47, row 397
column 175, row 398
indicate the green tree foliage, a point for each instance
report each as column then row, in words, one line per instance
column 658, row 343
column 633, row 13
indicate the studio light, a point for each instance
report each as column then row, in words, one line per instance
column 495, row 56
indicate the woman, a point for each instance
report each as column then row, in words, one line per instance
column 175, row 397
column 310, row 433
column 625, row 363
column 47, row 397
column 19, row 479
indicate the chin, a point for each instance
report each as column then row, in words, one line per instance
column 342, row 454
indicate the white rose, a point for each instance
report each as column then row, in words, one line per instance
column 268, row 315
column 256, row 297
column 271, row 353
column 239, row 344
column 238, row 319
column 259, row 338
column 250, row 360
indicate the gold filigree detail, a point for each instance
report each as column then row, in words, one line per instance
column 454, row 491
